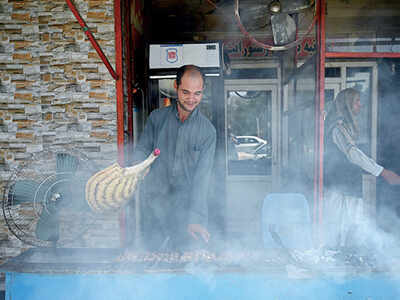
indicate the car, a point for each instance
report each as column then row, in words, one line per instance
column 247, row 143
column 263, row 151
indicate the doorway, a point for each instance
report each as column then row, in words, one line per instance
column 252, row 133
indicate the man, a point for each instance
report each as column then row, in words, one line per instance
column 173, row 195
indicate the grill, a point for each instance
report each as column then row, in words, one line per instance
column 42, row 273
column 103, row 260
column 113, row 260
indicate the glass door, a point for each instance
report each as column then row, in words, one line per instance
column 251, row 131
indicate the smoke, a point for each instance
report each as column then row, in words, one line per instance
column 205, row 274
column 350, row 229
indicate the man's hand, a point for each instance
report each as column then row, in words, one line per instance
column 196, row 229
column 390, row 176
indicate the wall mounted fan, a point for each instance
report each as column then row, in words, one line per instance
column 44, row 199
column 51, row 198
column 281, row 17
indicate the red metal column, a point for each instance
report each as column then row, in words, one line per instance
column 362, row 54
column 128, row 41
column 128, row 38
column 319, row 118
column 119, row 82
column 120, row 102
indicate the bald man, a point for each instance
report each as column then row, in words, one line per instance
column 174, row 210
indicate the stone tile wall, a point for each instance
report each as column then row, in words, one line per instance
column 55, row 91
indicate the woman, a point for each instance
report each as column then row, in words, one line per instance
column 343, row 168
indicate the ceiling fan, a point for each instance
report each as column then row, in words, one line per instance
column 279, row 15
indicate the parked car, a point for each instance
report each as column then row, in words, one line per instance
column 263, row 151
column 248, row 143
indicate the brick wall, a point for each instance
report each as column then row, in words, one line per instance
column 55, row 91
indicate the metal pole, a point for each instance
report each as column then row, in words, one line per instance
column 120, row 104
column 119, row 82
column 129, row 45
column 92, row 39
column 321, row 107
column 319, row 121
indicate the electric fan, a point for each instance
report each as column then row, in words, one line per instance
column 44, row 199
column 280, row 17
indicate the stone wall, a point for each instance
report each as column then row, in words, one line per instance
column 55, row 91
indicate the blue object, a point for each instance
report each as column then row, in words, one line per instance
column 288, row 215
column 184, row 286
column 96, row 274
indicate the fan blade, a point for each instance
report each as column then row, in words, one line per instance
column 293, row 6
column 254, row 16
column 67, row 195
column 73, row 194
column 79, row 195
column 66, row 163
column 22, row 191
column 283, row 29
column 47, row 228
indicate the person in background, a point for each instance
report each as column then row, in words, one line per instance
column 344, row 164
column 173, row 195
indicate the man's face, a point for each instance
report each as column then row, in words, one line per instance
column 190, row 91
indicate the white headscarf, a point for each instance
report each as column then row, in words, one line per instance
column 343, row 112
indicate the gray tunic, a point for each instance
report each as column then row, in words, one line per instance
column 182, row 171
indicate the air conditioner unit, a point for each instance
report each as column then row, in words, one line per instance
column 170, row 56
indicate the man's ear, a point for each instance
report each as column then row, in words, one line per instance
column 175, row 84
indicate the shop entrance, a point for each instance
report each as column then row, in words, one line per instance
column 252, row 146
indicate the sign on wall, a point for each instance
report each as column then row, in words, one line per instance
column 238, row 48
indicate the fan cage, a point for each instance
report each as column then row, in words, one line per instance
column 41, row 167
